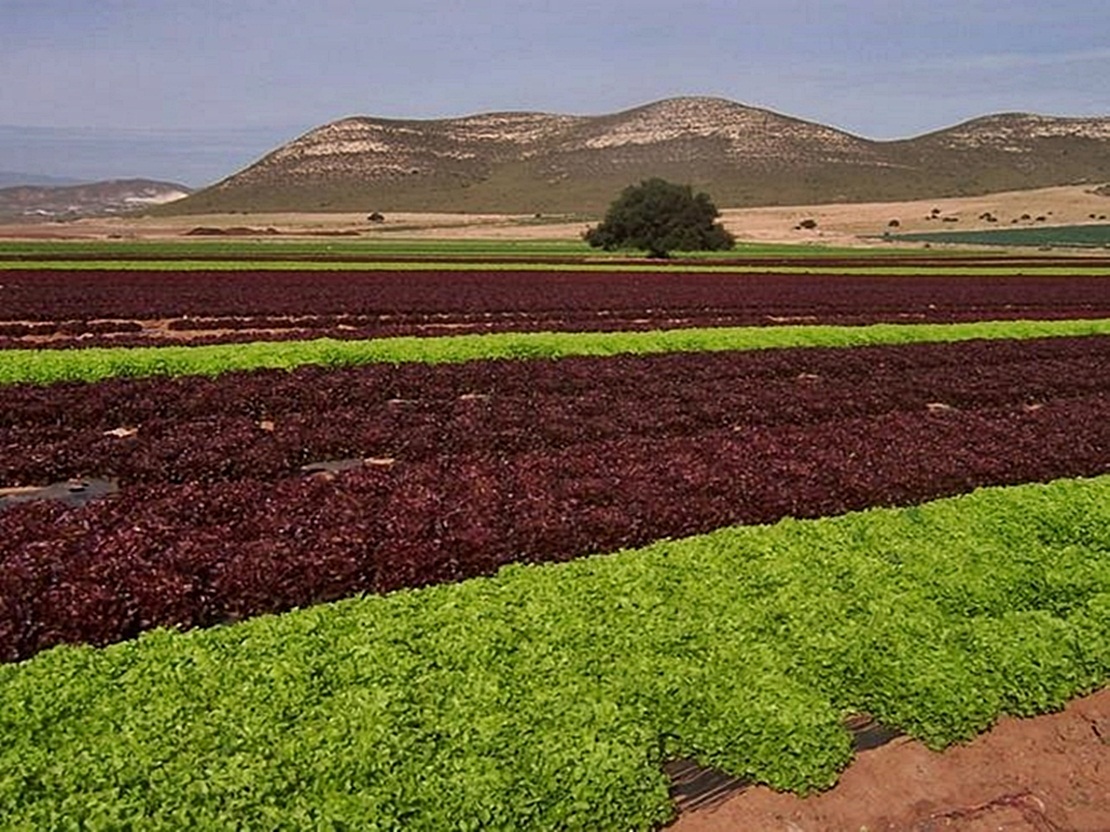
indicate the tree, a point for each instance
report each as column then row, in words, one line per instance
column 659, row 217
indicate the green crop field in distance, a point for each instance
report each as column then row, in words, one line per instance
column 516, row 255
column 770, row 264
column 264, row 249
column 547, row 697
column 1079, row 236
column 240, row 248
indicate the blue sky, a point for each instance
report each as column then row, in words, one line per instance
column 193, row 90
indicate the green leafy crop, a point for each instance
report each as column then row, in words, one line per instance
column 547, row 697
column 95, row 363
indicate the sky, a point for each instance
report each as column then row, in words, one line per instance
column 192, row 90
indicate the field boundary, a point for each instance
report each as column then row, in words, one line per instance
column 1093, row 266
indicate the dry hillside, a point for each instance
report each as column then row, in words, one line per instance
column 540, row 163
column 89, row 199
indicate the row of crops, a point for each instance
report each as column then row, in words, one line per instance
column 44, row 366
column 133, row 308
column 207, row 428
column 476, row 465
column 38, row 295
column 349, row 584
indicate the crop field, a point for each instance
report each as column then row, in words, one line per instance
column 1071, row 236
column 486, row 549
column 132, row 308
column 361, row 248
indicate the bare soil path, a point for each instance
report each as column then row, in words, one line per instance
column 1046, row 774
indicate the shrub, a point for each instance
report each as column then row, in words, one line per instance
column 659, row 217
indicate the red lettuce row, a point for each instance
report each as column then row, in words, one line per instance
column 266, row 424
column 194, row 555
column 133, row 334
column 427, row 296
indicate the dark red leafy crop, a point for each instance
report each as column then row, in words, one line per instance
column 497, row 462
column 267, row 424
column 231, row 306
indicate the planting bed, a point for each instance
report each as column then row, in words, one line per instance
column 83, row 308
column 266, row 424
column 469, row 467
column 39, row 366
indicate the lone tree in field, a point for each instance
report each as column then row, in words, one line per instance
column 659, row 217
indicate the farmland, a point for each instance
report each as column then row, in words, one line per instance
column 1072, row 236
column 485, row 548
column 135, row 308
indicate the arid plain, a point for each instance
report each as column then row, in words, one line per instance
column 837, row 223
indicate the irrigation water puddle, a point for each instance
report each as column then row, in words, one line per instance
column 694, row 786
column 73, row 492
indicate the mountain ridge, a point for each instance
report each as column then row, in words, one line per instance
column 520, row 161
column 110, row 196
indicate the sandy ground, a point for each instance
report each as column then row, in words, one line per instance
column 846, row 223
column 1046, row 774
column 839, row 224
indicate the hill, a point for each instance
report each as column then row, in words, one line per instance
column 88, row 199
column 535, row 162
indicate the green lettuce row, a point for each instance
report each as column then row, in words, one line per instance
column 547, row 697
column 93, row 364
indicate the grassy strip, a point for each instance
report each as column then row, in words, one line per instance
column 369, row 247
column 95, row 363
column 598, row 265
column 546, row 697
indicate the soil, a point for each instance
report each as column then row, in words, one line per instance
column 1046, row 774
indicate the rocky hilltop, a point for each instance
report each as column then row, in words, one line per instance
column 535, row 162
